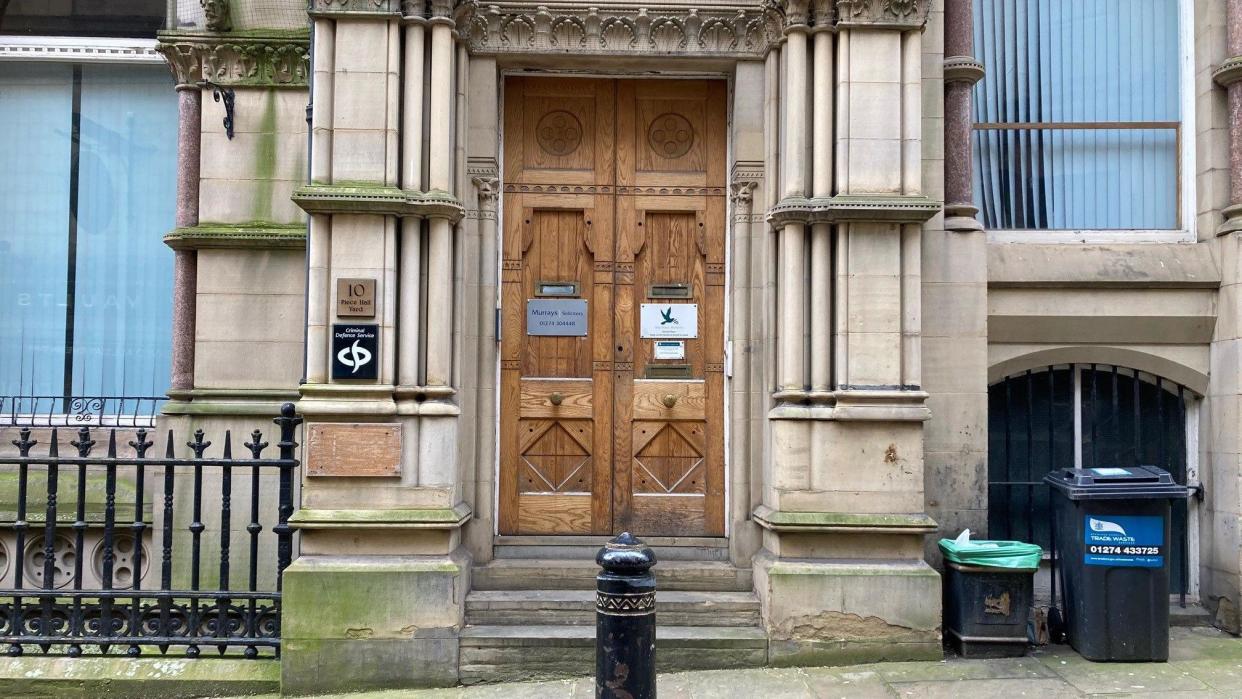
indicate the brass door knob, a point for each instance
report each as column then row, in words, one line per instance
column 670, row 400
column 556, row 398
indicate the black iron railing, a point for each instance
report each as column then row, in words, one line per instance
column 185, row 610
column 79, row 411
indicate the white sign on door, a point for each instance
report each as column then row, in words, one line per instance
column 669, row 319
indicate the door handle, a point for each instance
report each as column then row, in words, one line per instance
column 670, row 400
column 556, row 399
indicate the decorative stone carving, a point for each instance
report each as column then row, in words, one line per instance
column 741, row 193
column 559, row 133
column 218, row 15
column 339, row 7
column 734, row 30
column 257, row 61
column 489, row 191
column 897, row 14
column 670, row 135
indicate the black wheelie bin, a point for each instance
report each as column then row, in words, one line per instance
column 1111, row 527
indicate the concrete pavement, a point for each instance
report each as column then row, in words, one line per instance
column 1203, row 663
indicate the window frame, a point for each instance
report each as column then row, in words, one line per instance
column 78, row 49
column 1186, row 232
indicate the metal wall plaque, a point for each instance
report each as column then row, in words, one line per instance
column 353, row 449
column 355, row 351
column 556, row 317
column 661, row 320
column 355, row 297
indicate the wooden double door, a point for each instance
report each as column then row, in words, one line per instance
column 612, row 345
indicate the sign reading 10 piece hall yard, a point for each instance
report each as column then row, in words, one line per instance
column 355, row 351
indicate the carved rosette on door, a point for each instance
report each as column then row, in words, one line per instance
column 613, row 292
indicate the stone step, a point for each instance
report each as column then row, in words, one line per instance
column 579, row 574
column 667, row 548
column 577, row 607
column 521, row 653
column 1190, row 615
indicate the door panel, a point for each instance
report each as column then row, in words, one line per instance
column 597, row 434
column 670, row 465
column 559, row 131
column 671, row 133
column 556, row 418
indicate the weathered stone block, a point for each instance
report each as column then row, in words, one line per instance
column 830, row 611
column 372, row 621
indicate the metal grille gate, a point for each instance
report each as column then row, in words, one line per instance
column 1081, row 414
column 216, row 600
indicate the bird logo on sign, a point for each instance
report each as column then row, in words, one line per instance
column 667, row 317
column 354, row 356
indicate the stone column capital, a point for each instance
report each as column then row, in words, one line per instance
column 893, row 14
column 962, row 69
column 489, row 191
column 1228, row 72
column 741, row 194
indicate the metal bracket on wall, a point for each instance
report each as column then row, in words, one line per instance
column 226, row 95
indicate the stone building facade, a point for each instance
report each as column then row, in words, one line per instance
column 811, row 172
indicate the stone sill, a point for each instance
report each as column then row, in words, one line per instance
column 229, row 402
column 1135, row 265
column 842, row 522
column 853, row 404
column 860, row 208
column 374, row 198
column 170, row 677
column 241, row 236
column 377, row 400
column 418, row 518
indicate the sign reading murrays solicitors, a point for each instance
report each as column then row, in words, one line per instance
column 556, row 317
column 355, row 351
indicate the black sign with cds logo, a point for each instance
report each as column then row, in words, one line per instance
column 355, row 351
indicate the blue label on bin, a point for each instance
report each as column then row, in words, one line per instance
column 1124, row 540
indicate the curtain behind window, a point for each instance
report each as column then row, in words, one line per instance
column 35, row 122
column 1090, row 63
column 118, row 328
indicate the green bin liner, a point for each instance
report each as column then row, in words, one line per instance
column 992, row 554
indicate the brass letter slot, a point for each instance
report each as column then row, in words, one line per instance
column 557, row 289
column 668, row 291
column 667, row 371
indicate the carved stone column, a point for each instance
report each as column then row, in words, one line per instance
column 382, row 493
column 185, row 261
column 842, row 512
column 1220, row 582
column 961, row 72
column 1229, row 76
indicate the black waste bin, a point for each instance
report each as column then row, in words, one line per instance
column 1111, row 526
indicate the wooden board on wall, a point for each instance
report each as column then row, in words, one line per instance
column 353, row 449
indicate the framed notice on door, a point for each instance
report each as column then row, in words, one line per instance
column 669, row 320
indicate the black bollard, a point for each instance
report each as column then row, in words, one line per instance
column 625, row 621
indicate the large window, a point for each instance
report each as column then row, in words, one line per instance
column 87, row 191
column 1078, row 122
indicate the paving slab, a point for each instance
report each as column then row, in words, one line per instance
column 959, row 669
column 986, row 689
column 847, row 683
